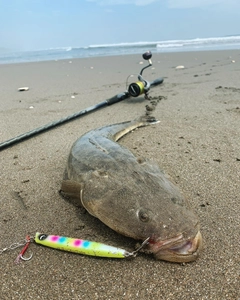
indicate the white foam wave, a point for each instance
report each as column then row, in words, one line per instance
column 161, row 45
column 198, row 42
column 122, row 45
column 174, row 43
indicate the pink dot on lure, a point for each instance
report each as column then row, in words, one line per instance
column 54, row 238
column 77, row 243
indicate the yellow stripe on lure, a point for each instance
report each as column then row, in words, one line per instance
column 83, row 246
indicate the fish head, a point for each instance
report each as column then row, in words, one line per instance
column 173, row 230
column 148, row 205
column 174, row 236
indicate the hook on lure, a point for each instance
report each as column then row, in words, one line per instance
column 134, row 253
column 20, row 256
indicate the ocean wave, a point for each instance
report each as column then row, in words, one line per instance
column 135, row 44
column 161, row 45
column 70, row 52
column 172, row 43
column 158, row 44
column 199, row 42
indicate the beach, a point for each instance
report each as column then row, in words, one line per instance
column 196, row 142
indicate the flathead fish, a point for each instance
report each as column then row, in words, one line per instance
column 131, row 195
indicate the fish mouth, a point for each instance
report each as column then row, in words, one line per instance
column 177, row 249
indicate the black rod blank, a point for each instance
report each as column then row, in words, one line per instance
column 31, row 133
column 53, row 124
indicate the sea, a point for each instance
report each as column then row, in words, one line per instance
column 196, row 44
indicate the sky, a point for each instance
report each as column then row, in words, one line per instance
column 43, row 24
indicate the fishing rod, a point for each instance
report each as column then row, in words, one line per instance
column 135, row 89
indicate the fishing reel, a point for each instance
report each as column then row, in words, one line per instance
column 142, row 86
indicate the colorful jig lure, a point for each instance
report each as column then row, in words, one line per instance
column 84, row 246
column 72, row 245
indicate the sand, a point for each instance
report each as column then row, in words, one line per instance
column 197, row 142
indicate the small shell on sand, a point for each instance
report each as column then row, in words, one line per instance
column 22, row 89
column 179, row 67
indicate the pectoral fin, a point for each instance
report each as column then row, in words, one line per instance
column 71, row 189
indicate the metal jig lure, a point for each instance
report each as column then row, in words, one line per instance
column 72, row 245
column 84, row 246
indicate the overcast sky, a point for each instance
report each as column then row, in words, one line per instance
column 41, row 24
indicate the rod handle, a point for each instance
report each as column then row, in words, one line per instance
column 156, row 82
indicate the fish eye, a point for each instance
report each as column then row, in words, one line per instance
column 143, row 216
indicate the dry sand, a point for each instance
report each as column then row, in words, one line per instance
column 197, row 143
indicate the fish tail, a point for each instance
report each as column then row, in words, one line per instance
column 119, row 130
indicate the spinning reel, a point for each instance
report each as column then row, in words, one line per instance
column 142, row 86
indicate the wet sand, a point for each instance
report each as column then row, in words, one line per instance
column 197, row 143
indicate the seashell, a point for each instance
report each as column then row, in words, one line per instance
column 22, row 89
column 179, row 67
